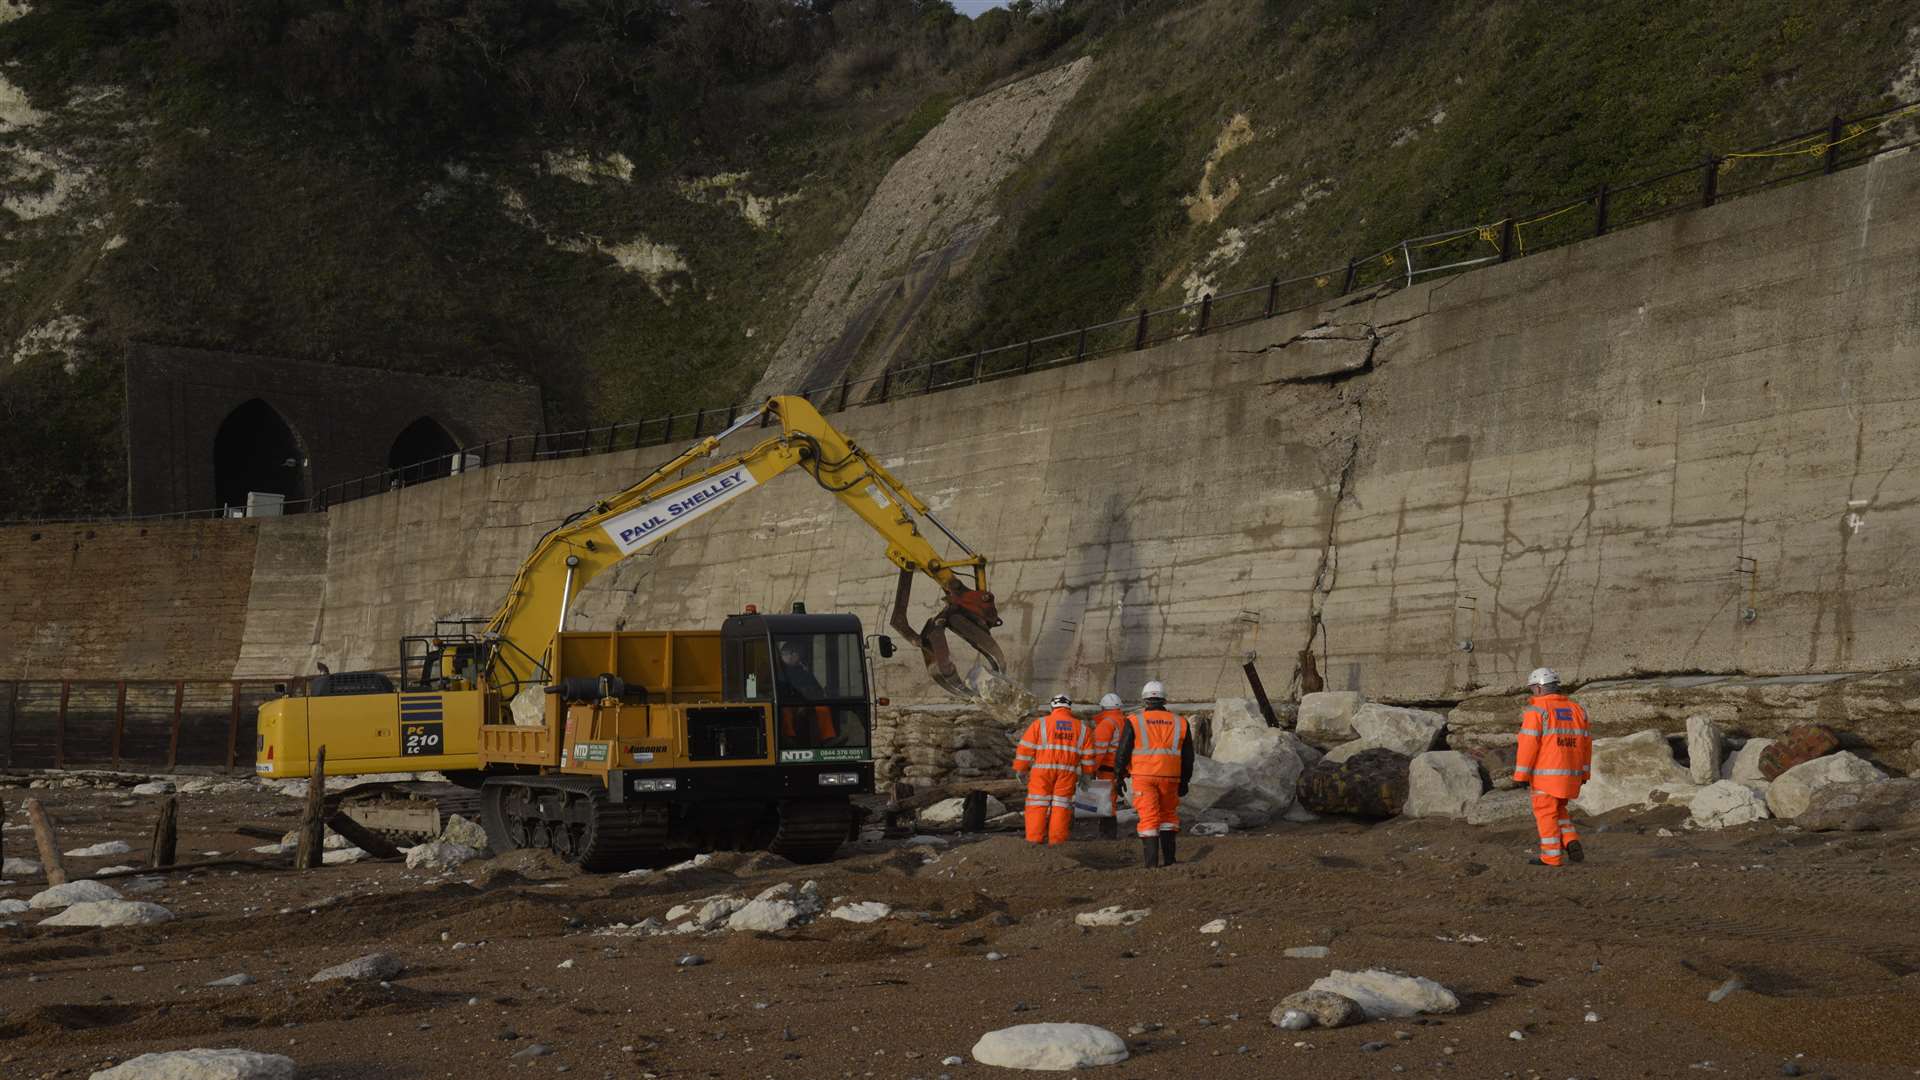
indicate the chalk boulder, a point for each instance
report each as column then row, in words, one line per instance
column 1792, row 791
column 1328, row 716
column 439, row 855
column 1050, row 1047
column 1112, row 916
column 94, row 851
column 1743, row 765
column 947, row 813
column 109, row 913
column 1627, row 770
column 19, row 868
column 1273, row 760
column 459, row 830
column 1403, row 731
column 1705, row 744
column 372, row 967
column 1496, row 807
column 73, row 892
column 1862, row 807
column 201, row 1065
column 1385, row 994
column 1724, row 803
column 1442, row 783
column 1322, row 1008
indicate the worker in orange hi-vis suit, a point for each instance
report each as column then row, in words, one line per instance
column 1556, row 757
column 1155, row 755
column 1106, row 739
column 1055, row 752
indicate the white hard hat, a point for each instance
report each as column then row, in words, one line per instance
column 1061, row 701
column 1110, row 701
column 1543, row 676
column 1153, row 691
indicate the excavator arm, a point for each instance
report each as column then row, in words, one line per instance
column 594, row 539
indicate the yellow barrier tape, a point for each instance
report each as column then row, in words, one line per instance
column 1792, row 149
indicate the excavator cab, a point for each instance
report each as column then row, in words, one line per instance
column 813, row 670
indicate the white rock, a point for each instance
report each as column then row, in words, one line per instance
column 1273, row 761
column 1627, row 770
column 342, row 856
column 439, row 855
column 335, row 842
column 925, row 841
column 1307, row 952
column 1328, row 715
column 1345, row 750
column 1214, row 783
column 1705, row 744
column 1217, row 926
column 1232, row 713
column 1725, row 803
column 1050, row 1047
column 1496, row 807
column 1743, row 765
column 242, row 979
column 765, row 916
column 372, row 967
column 715, row 911
column 273, row 849
column 1793, row 790
column 946, row 813
column 1403, row 731
column 1111, row 916
column 73, row 892
column 19, row 868
column 154, row 787
column 864, row 911
column 1442, row 783
column 1384, row 994
column 108, row 847
column 1209, row 828
column 109, row 913
column 466, row 833
column 201, row 1065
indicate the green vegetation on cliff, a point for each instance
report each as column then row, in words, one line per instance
column 627, row 201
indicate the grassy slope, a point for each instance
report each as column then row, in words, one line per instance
column 257, row 224
column 1542, row 103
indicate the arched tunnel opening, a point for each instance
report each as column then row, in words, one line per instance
column 256, row 450
column 422, row 452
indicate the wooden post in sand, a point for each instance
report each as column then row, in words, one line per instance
column 166, row 834
column 48, row 841
column 313, row 822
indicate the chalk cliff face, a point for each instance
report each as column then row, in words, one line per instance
column 920, row 227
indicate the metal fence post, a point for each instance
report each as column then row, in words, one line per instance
column 1831, row 160
column 1140, row 334
column 1353, row 270
column 233, row 727
column 1600, row 211
column 1709, row 181
column 1027, row 363
column 886, row 384
column 119, row 722
column 846, row 387
column 173, row 734
column 1507, row 238
column 1273, row 296
column 979, row 361
column 60, row 727
column 1206, row 314
column 1080, row 349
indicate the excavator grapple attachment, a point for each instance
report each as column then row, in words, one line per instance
column 970, row 613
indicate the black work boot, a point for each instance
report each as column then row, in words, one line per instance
column 1576, row 853
column 1150, row 851
column 1109, row 828
column 1166, row 848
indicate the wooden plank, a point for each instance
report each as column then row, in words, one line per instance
column 313, row 822
column 47, row 839
column 166, row 834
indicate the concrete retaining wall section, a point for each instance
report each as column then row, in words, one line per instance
column 1561, row 460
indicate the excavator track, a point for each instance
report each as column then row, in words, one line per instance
column 811, row 830
column 405, row 812
column 575, row 820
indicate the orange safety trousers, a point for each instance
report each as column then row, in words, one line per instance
column 1055, row 752
column 1555, row 827
column 1157, row 798
column 1049, row 807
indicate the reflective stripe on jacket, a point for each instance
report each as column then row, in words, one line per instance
column 1158, row 738
column 1057, row 742
column 1106, row 739
column 1556, row 749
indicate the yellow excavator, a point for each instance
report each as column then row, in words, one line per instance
column 614, row 748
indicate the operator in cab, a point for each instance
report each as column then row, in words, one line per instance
column 798, row 683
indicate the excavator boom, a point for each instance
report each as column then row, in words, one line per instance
column 680, row 491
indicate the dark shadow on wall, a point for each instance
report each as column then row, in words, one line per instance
column 257, row 450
